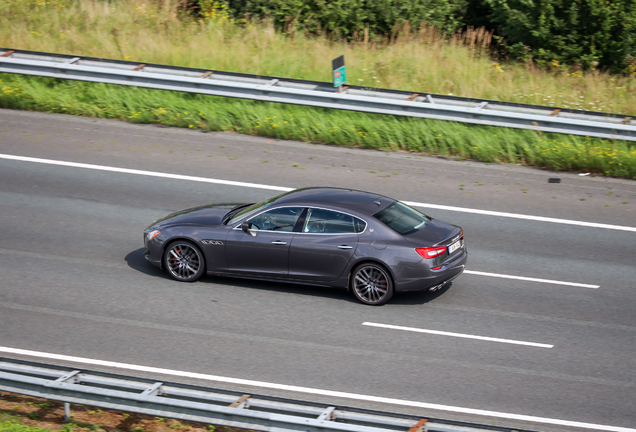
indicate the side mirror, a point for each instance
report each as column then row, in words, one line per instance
column 249, row 228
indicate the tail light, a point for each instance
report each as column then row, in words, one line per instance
column 431, row 252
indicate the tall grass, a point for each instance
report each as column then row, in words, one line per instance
column 154, row 31
column 346, row 128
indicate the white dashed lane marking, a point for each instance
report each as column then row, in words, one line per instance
column 458, row 335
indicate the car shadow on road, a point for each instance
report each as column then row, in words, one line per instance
column 138, row 262
column 283, row 287
column 412, row 298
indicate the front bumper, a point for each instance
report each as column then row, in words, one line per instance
column 155, row 262
column 153, row 252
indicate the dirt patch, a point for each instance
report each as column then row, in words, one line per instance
column 47, row 414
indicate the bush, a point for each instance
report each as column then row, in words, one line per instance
column 349, row 18
column 586, row 33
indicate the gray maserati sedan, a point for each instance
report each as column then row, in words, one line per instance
column 368, row 243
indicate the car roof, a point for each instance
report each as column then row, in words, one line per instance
column 365, row 202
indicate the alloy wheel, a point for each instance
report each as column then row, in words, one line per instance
column 372, row 285
column 184, row 262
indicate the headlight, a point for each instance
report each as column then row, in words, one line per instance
column 152, row 234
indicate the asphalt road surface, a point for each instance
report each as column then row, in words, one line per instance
column 559, row 350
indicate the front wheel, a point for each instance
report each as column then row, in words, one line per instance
column 371, row 284
column 184, row 261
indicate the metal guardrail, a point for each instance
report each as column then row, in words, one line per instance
column 319, row 94
column 206, row 405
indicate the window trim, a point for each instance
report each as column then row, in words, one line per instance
column 306, row 209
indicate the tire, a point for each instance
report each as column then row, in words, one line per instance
column 371, row 284
column 184, row 261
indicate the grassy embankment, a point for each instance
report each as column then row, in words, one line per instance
column 155, row 32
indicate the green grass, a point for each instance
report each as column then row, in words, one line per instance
column 16, row 426
column 343, row 128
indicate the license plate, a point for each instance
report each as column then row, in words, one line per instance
column 452, row 248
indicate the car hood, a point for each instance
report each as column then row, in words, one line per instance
column 208, row 215
column 433, row 233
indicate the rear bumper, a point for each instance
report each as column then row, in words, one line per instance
column 434, row 278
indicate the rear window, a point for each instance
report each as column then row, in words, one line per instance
column 402, row 218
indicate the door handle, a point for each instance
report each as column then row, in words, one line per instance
column 345, row 247
column 278, row 242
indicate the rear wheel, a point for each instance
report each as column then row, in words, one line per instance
column 371, row 284
column 184, row 261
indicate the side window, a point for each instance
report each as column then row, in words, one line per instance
column 331, row 222
column 280, row 219
column 360, row 225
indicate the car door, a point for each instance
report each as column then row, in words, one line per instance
column 323, row 247
column 264, row 249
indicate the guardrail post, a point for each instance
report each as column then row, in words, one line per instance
column 67, row 411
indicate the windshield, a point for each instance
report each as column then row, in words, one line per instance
column 402, row 218
column 254, row 208
column 232, row 212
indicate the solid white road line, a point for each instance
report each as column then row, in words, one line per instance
column 521, row 216
column 529, row 279
column 144, row 173
column 329, row 393
column 285, row 189
column 459, row 335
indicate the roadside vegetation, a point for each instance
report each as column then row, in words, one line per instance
column 422, row 59
column 19, row 413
